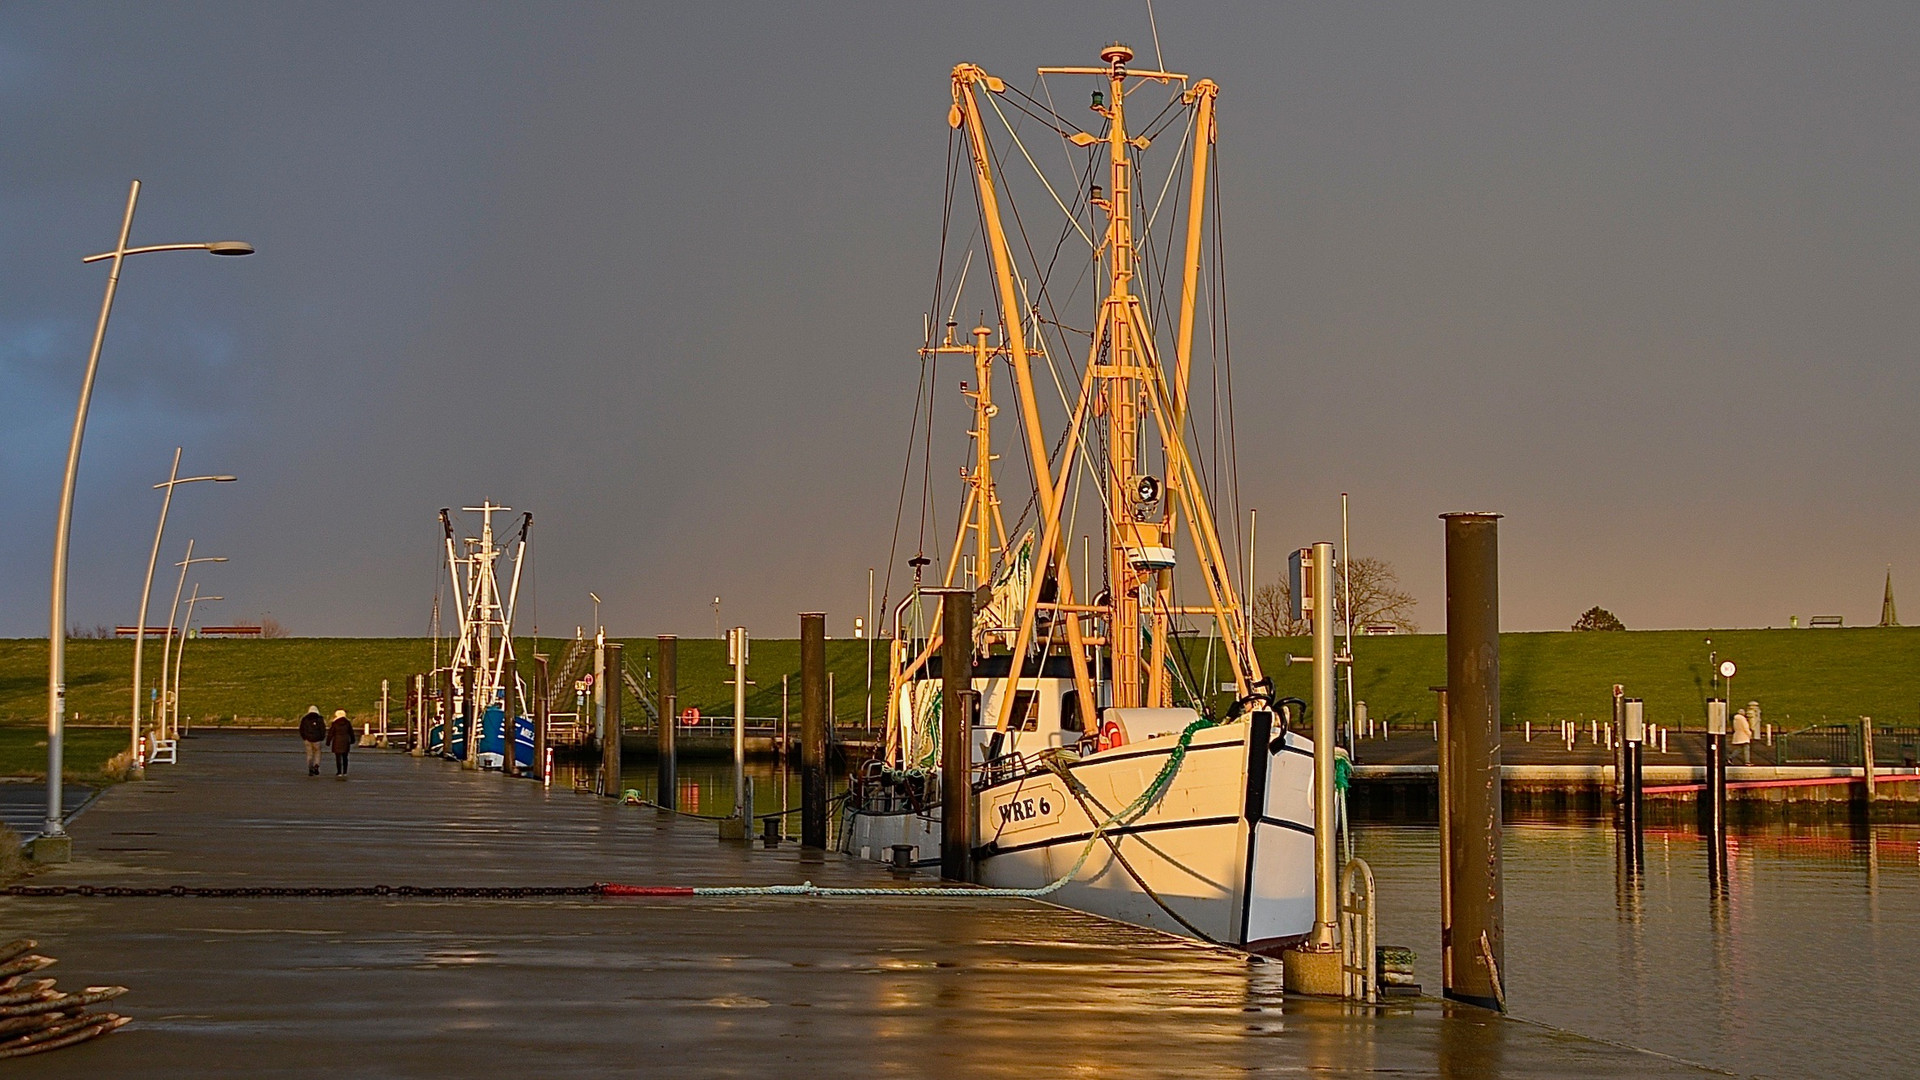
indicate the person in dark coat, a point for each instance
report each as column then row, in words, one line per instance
column 313, row 733
column 340, row 740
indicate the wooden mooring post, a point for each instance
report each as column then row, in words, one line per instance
column 509, row 709
column 1474, row 933
column 956, row 734
column 813, row 730
column 610, row 736
column 667, row 781
column 542, row 686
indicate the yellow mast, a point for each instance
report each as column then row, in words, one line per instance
column 966, row 109
column 1126, row 384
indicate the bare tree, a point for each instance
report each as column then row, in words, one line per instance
column 1377, row 599
column 270, row 627
column 1377, row 596
column 1273, row 612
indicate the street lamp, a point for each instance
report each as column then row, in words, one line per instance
column 174, row 613
column 180, row 656
column 595, row 597
column 57, row 629
column 174, row 479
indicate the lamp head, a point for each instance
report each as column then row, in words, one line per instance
column 230, row 247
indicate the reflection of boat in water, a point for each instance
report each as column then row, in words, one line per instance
column 481, row 676
column 1113, row 766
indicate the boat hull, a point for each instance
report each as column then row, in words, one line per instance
column 1225, row 852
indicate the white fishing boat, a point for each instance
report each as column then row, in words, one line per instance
column 1132, row 762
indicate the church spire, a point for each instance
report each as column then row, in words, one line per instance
column 1887, row 616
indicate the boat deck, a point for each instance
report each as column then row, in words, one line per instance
column 590, row 986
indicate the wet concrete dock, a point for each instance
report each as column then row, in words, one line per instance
column 592, row 986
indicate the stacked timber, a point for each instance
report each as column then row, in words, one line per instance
column 36, row 1016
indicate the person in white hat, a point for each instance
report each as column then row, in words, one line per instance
column 313, row 732
column 340, row 738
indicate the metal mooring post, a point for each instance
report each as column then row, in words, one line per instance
column 610, row 736
column 813, row 730
column 1471, row 775
column 1314, row 967
column 509, row 692
column 542, row 687
column 1866, row 755
column 1633, row 739
column 667, row 782
column 1446, row 840
column 741, row 825
column 956, row 734
column 1715, row 793
column 1619, row 745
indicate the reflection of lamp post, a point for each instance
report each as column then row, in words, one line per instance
column 160, row 726
column 57, row 629
column 180, row 657
column 146, row 591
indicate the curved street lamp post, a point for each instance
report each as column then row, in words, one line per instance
column 174, row 479
column 55, row 830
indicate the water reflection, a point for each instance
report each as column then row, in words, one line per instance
column 1791, row 959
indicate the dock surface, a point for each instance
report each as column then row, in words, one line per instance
column 601, row 986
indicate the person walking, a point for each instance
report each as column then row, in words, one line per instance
column 313, row 732
column 1743, row 737
column 340, row 739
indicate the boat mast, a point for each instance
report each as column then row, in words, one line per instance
column 1052, row 555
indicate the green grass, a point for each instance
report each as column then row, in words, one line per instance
column 23, row 751
column 1800, row 676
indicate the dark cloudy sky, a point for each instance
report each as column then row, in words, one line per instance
column 1641, row 277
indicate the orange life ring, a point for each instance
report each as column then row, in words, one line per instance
column 1112, row 735
column 689, row 716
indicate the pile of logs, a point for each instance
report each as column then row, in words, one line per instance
column 34, row 1016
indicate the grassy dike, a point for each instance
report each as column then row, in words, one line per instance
column 1801, row 677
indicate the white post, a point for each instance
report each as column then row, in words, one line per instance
column 1326, row 930
column 869, row 634
column 737, row 654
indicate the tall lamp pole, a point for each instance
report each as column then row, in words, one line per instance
column 173, row 614
column 180, row 656
column 55, row 829
column 174, row 479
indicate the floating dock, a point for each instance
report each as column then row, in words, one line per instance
column 594, row 985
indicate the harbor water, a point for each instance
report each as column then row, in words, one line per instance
column 1801, row 965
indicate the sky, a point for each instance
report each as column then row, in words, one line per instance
column 1639, row 277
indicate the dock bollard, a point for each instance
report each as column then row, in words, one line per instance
column 667, row 783
column 813, row 732
column 1474, row 934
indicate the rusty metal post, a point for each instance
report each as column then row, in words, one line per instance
column 1471, row 775
column 813, row 730
column 509, row 690
column 668, row 782
column 542, row 689
column 956, row 734
column 610, row 738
